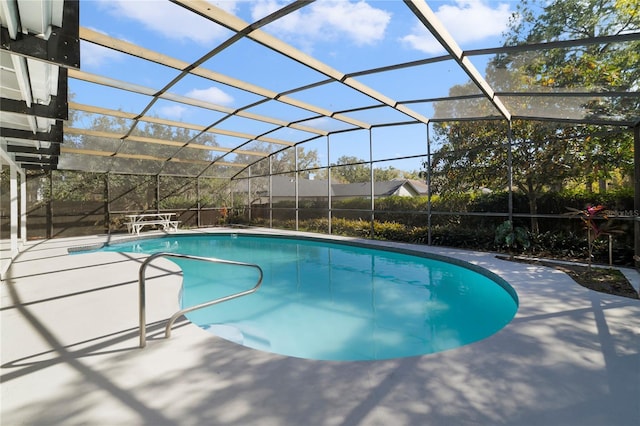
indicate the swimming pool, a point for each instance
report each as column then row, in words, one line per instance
column 334, row 301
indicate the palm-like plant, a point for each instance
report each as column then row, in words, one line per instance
column 590, row 217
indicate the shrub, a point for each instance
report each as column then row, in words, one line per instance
column 511, row 237
column 404, row 219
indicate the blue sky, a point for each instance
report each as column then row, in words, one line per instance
column 347, row 35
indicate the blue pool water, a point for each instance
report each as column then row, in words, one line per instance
column 331, row 301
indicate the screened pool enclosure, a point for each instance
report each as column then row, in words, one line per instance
column 373, row 119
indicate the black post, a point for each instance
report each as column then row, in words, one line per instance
column 50, row 206
column 107, row 212
column 157, row 193
column 510, row 170
column 428, row 187
column 199, row 205
column 636, row 194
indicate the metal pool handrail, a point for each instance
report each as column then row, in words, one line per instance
column 141, row 290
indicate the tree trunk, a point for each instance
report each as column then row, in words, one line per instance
column 588, row 185
column 602, row 186
column 533, row 209
column 532, row 195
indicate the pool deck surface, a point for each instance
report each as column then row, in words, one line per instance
column 69, row 355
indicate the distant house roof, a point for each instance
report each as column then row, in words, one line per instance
column 284, row 186
column 420, row 187
column 380, row 189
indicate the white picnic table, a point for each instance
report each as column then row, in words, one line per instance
column 138, row 221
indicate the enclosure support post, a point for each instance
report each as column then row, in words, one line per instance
column 50, row 206
column 329, row 185
column 270, row 191
column 13, row 210
column 428, row 187
column 636, row 194
column 249, row 196
column 198, row 204
column 158, row 193
column 295, row 160
column 373, row 186
column 510, row 169
column 23, row 205
column 17, row 211
column 107, row 198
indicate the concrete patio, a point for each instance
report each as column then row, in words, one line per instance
column 70, row 355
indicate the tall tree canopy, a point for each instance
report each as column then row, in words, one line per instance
column 351, row 169
column 140, row 157
column 546, row 155
column 605, row 67
column 283, row 161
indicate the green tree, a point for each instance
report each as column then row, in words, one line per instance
column 546, row 154
column 143, row 154
column 285, row 161
column 381, row 174
column 604, row 67
column 475, row 156
column 412, row 174
column 350, row 169
column 281, row 162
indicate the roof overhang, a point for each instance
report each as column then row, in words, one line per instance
column 39, row 43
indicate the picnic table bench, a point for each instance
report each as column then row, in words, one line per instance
column 138, row 221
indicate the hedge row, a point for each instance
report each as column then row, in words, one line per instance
column 560, row 244
column 548, row 203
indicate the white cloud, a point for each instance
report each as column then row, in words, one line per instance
column 422, row 40
column 212, row 94
column 95, row 56
column 467, row 21
column 173, row 22
column 357, row 21
column 174, row 111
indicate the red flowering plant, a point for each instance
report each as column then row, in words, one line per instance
column 592, row 218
